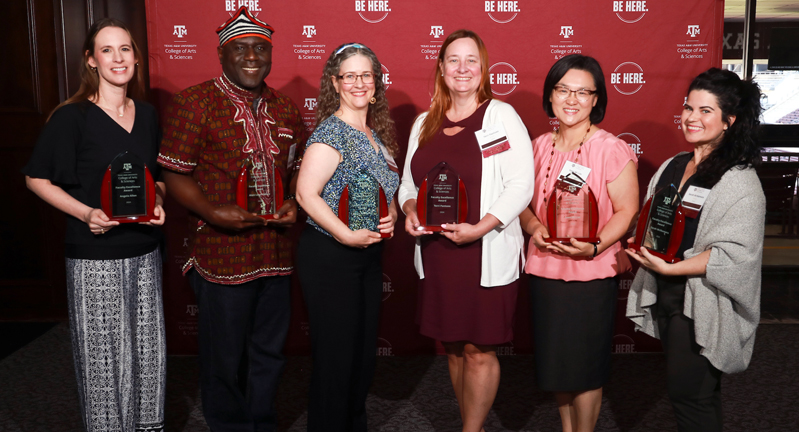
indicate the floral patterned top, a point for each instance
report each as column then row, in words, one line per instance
column 361, row 171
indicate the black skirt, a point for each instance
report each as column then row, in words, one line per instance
column 573, row 325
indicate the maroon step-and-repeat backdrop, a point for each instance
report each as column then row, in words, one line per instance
column 649, row 50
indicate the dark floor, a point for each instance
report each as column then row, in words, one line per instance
column 37, row 392
column 414, row 394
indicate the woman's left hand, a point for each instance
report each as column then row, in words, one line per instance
column 462, row 233
column 159, row 213
column 575, row 249
column 387, row 224
column 649, row 261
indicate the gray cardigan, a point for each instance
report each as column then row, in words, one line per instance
column 725, row 302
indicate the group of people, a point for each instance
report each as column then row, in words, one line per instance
column 704, row 308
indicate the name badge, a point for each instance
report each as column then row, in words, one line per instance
column 292, row 152
column 392, row 165
column 693, row 200
column 493, row 140
column 572, row 176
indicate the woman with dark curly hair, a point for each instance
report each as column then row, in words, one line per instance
column 706, row 307
column 339, row 264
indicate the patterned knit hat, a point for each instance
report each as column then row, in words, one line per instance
column 243, row 24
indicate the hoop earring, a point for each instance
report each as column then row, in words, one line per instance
column 372, row 100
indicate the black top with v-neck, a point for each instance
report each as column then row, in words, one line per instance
column 671, row 289
column 74, row 150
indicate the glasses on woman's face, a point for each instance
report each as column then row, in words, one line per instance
column 350, row 78
column 563, row 92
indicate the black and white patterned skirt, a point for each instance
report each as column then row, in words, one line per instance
column 118, row 341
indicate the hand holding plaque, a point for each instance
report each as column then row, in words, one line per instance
column 442, row 199
column 661, row 225
column 572, row 208
column 363, row 203
column 127, row 193
column 259, row 190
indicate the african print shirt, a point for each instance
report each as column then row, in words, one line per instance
column 211, row 132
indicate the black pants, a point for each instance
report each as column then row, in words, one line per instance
column 249, row 321
column 343, row 289
column 694, row 384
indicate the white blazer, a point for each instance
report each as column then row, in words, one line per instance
column 506, row 188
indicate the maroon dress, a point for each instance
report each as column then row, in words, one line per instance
column 452, row 304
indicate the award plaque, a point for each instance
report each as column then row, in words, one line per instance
column 258, row 190
column 661, row 225
column 362, row 204
column 442, row 199
column 572, row 212
column 127, row 193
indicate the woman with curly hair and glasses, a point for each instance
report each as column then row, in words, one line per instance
column 339, row 264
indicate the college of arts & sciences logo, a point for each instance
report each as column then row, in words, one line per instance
column 388, row 289
column 628, row 78
column 231, row 6
column 630, row 11
column 179, row 48
column 372, row 11
column 566, row 45
column 179, row 31
column 623, row 344
column 430, row 49
column 309, row 49
column 384, row 347
column 631, row 141
column 502, row 11
column 504, row 78
column 188, row 327
column 692, row 48
column 309, row 113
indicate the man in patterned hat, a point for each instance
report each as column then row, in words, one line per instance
column 232, row 129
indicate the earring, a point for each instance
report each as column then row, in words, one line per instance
column 372, row 100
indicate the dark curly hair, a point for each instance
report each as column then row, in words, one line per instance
column 583, row 63
column 378, row 116
column 739, row 143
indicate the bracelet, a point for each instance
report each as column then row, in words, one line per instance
column 290, row 197
column 595, row 250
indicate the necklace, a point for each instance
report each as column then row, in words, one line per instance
column 111, row 110
column 552, row 155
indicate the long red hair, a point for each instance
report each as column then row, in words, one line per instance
column 441, row 98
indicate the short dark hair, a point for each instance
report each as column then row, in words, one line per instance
column 583, row 63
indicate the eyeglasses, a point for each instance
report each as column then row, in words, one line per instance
column 350, row 78
column 563, row 92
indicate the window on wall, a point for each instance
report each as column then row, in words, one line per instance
column 780, row 86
